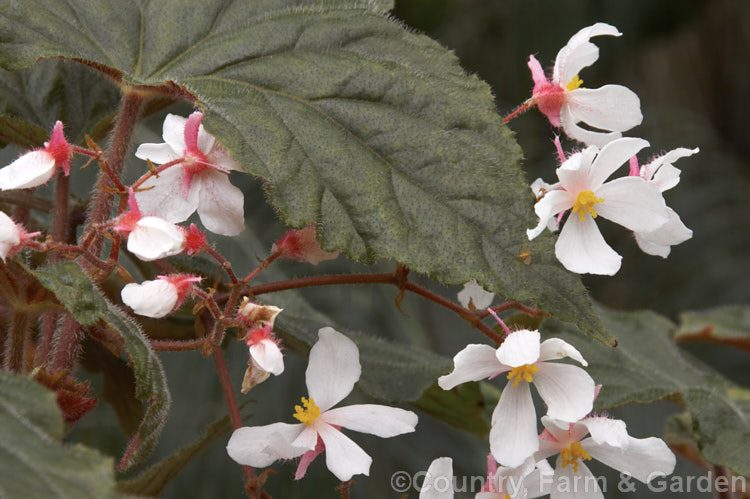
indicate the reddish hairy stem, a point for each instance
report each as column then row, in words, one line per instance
column 15, row 342
column 264, row 264
column 47, row 334
column 178, row 345
column 151, row 173
column 60, row 222
column 234, row 414
column 528, row 104
column 84, row 151
column 68, row 340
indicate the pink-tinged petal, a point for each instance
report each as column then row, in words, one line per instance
column 150, row 298
column 613, row 156
column 10, row 236
column 30, row 170
column 611, row 107
column 307, row 459
column 267, row 355
column 589, row 137
column 220, row 157
column 220, row 205
column 475, row 294
column 513, row 437
column 632, row 203
column 579, row 52
column 567, row 390
column 582, row 249
column 157, row 153
column 333, row 368
column 643, row 458
column 662, row 172
column 250, row 445
column 153, row 238
column 519, row 348
column 603, row 430
column 570, row 484
column 555, row 348
column 547, row 449
column 548, row 207
column 344, row 458
column 473, row 363
column 173, row 133
column 438, row 481
column 166, row 197
column 537, row 74
column 659, row 242
column 557, row 431
column 379, row 420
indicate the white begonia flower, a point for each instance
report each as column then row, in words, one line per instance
column 475, row 294
column 663, row 174
column 200, row 182
column 159, row 297
column 642, row 458
column 332, row 371
column 10, row 236
column 36, row 167
column 567, row 390
column 153, row 238
column 264, row 348
column 628, row 201
column 565, row 103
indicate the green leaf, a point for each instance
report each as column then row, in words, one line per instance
column 33, row 99
column 647, row 366
column 153, row 481
column 88, row 306
column 462, row 407
column 33, row 462
column 729, row 325
column 353, row 121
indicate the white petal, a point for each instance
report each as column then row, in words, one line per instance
column 519, row 348
column 379, row 420
column 477, row 294
column 632, row 203
column 173, row 133
column 150, row 298
column 612, row 156
column 603, row 430
column 582, row 249
column 539, row 482
column 157, row 153
column 588, row 137
column 574, row 173
column 662, row 172
column 555, row 348
column 268, row 356
column 154, row 238
column 568, row 484
column 9, row 236
column 658, row 242
column 344, row 458
column 438, row 482
column 221, row 157
column 250, row 445
column 220, row 205
column 579, row 52
column 473, row 363
column 30, row 170
column 166, row 198
column 513, row 437
column 307, row 438
column 206, row 141
column 643, row 458
column 611, row 107
column 333, row 368
column 548, row 207
column 560, row 431
column 567, row 390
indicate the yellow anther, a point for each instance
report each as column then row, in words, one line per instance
column 309, row 414
column 574, row 83
column 525, row 372
column 572, row 453
column 585, row 203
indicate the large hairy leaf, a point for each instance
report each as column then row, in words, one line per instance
column 729, row 325
column 88, row 306
column 34, row 462
column 353, row 121
column 647, row 366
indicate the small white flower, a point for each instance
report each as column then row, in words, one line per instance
column 566, row 103
column 36, row 167
column 153, row 238
column 264, row 349
column 609, row 443
column 567, row 390
column 475, row 294
column 331, row 374
column 159, row 297
column 628, row 201
column 10, row 237
column 200, row 182
column 663, row 174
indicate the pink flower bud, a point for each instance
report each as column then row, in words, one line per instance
column 301, row 245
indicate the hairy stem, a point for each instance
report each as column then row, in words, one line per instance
column 66, row 349
column 15, row 342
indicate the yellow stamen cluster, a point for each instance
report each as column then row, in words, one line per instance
column 574, row 83
column 309, row 414
column 572, row 453
column 585, row 203
column 525, row 372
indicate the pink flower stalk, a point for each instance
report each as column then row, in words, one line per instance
column 36, row 167
column 301, row 245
